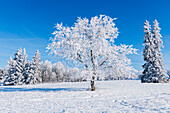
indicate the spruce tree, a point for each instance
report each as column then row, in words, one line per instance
column 11, row 77
column 153, row 68
column 16, row 69
column 35, row 69
column 1, row 75
column 147, row 53
column 27, row 73
column 5, row 73
column 158, row 70
column 22, row 61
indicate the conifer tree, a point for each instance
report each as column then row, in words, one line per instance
column 16, row 69
column 11, row 77
column 153, row 68
column 5, row 73
column 27, row 73
column 36, row 69
column 1, row 74
column 147, row 52
column 22, row 61
column 158, row 70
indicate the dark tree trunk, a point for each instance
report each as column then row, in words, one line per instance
column 92, row 84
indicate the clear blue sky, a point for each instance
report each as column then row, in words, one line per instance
column 29, row 23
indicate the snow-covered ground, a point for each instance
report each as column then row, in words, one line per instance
column 109, row 97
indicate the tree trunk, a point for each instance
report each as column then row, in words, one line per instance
column 92, row 84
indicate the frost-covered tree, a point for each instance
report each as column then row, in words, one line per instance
column 158, row 71
column 54, row 73
column 19, row 66
column 16, row 69
column 36, row 69
column 147, row 53
column 28, row 74
column 21, row 63
column 75, row 75
column 153, row 68
column 46, row 71
column 11, row 77
column 59, row 70
column 90, row 44
column 24, row 57
column 53, row 77
column 5, row 74
column 1, row 74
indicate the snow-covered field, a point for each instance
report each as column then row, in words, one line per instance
column 109, row 97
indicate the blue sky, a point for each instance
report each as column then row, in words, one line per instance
column 29, row 23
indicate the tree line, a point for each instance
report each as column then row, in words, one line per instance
column 20, row 71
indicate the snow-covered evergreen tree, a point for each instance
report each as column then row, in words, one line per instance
column 158, row 70
column 21, row 63
column 47, row 71
column 11, row 77
column 16, row 68
column 153, row 68
column 1, row 74
column 35, row 75
column 147, row 53
column 5, row 74
column 27, row 73
column 90, row 44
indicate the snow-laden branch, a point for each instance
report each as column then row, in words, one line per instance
column 91, row 43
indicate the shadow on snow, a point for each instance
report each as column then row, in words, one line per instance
column 9, row 89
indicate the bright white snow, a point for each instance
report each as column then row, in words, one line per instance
column 110, row 96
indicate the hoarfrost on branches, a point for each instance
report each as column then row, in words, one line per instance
column 59, row 70
column 46, row 71
column 90, row 44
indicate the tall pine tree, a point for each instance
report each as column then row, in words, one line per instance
column 11, row 77
column 1, row 74
column 158, row 70
column 22, row 61
column 35, row 69
column 147, row 52
column 153, row 68
column 16, row 69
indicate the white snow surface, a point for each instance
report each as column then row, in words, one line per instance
column 109, row 97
